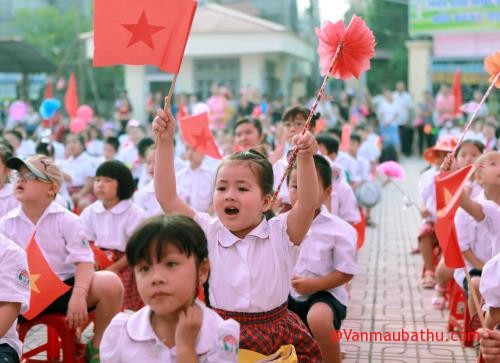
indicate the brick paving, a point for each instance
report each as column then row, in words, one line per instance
column 386, row 295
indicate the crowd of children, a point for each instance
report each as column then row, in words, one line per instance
column 273, row 272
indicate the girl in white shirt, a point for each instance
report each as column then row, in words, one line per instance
column 7, row 199
column 145, row 197
column 169, row 256
column 249, row 280
column 110, row 221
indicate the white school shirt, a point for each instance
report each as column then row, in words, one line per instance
column 59, row 234
column 369, row 149
column 15, row 286
column 130, row 338
column 196, row 187
column 470, row 237
column 350, row 165
column 146, row 199
column 491, row 223
column 490, row 283
column 7, row 200
column 111, row 228
column 330, row 245
column 427, row 192
column 249, row 275
column 279, row 168
column 344, row 204
column 79, row 168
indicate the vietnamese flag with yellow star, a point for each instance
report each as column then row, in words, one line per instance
column 142, row 32
column 196, row 133
column 45, row 285
column 449, row 189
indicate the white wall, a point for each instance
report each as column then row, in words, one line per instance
column 252, row 71
column 135, row 84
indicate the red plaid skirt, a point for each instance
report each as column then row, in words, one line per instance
column 131, row 298
column 266, row 332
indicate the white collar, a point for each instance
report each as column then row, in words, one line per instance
column 120, row 208
column 52, row 208
column 227, row 238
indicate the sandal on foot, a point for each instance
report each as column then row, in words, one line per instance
column 428, row 281
column 92, row 353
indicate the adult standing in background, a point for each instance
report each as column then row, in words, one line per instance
column 404, row 103
column 388, row 115
column 445, row 101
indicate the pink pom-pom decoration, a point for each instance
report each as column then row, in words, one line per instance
column 392, row 170
column 85, row 112
column 357, row 47
column 77, row 125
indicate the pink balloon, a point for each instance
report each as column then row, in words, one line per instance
column 18, row 110
column 85, row 112
column 77, row 125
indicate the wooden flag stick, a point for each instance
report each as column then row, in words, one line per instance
column 474, row 297
column 168, row 99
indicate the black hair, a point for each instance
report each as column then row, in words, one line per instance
column 292, row 112
column 331, row 143
column 45, row 148
column 356, row 138
column 6, row 152
column 258, row 164
column 115, row 169
column 144, row 145
column 324, row 170
column 156, row 233
column 249, row 120
column 16, row 134
column 113, row 141
column 337, row 131
column 478, row 144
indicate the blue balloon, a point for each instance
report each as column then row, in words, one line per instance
column 49, row 107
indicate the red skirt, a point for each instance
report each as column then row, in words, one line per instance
column 266, row 332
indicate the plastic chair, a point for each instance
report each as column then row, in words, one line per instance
column 459, row 319
column 59, row 337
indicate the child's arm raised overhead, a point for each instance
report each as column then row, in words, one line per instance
column 301, row 215
column 164, row 173
column 473, row 208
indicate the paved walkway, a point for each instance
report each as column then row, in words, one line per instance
column 386, row 295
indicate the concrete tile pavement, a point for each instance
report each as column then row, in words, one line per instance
column 386, row 295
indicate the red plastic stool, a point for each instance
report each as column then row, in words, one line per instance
column 59, row 337
column 360, row 227
column 459, row 319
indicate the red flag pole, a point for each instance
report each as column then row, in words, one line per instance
column 474, row 114
column 473, row 291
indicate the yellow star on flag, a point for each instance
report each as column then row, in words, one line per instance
column 33, row 279
column 447, row 199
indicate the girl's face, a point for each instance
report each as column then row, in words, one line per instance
column 247, row 136
column 135, row 134
column 293, row 191
column 170, row 285
column 73, row 145
column 467, row 155
column 489, row 173
column 109, row 152
column 194, row 156
column 440, row 156
column 150, row 162
column 238, row 199
column 294, row 127
column 106, row 189
column 28, row 189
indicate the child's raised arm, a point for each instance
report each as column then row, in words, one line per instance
column 301, row 215
column 164, row 173
column 473, row 208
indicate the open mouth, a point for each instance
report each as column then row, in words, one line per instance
column 231, row 211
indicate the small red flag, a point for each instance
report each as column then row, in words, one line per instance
column 196, row 133
column 449, row 188
column 103, row 259
column 142, row 32
column 71, row 96
column 49, row 93
column 457, row 92
column 183, row 111
column 45, row 285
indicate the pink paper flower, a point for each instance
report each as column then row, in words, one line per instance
column 358, row 47
column 391, row 169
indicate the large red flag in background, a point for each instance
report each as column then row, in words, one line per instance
column 196, row 133
column 71, row 96
column 45, row 285
column 142, row 32
column 449, row 188
column 456, row 89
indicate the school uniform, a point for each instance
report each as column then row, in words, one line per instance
column 369, row 149
column 249, row 282
column 490, row 283
column 110, row 230
column 491, row 223
column 79, row 168
column 350, row 165
column 7, row 199
column 279, row 168
column 195, row 187
column 427, row 192
column 15, row 288
column 330, row 245
column 344, row 204
column 470, row 237
column 130, row 338
column 59, row 234
column 146, row 199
